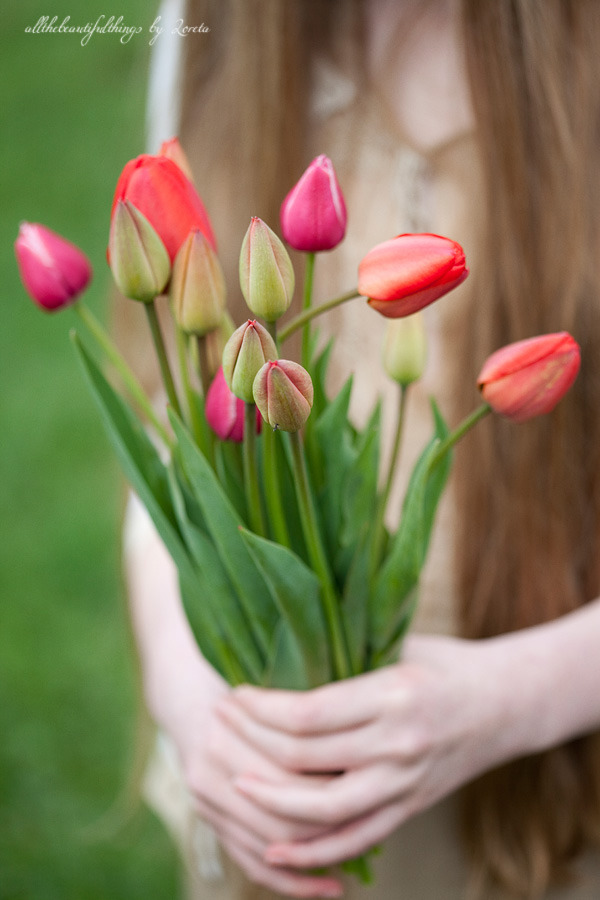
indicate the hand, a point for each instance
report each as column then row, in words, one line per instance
column 395, row 741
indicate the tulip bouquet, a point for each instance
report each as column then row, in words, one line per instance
column 269, row 499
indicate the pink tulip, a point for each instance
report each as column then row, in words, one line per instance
column 409, row 272
column 157, row 187
column 528, row 378
column 313, row 215
column 225, row 412
column 53, row 270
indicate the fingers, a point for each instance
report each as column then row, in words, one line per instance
column 346, row 842
column 332, row 751
column 283, row 881
column 343, row 798
column 333, row 707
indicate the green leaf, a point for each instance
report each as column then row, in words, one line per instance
column 212, row 605
column 296, row 590
column 355, row 602
column 285, row 669
column 394, row 595
column 223, row 524
column 138, row 458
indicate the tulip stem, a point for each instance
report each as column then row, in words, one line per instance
column 342, row 667
column 203, row 369
column 273, row 487
column 199, row 429
column 131, row 383
column 379, row 528
column 309, row 271
column 255, row 514
column 308, row 314
column 461, row 429
column 161, row 353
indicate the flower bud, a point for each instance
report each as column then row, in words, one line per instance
column 313, row 215
column 405, row 349
column 283, row 392
column 158, row 188
column 53, row 270
column 248, row 348
column 528, row 378
column 214, row 343
column 173, row 150
column 138, row 258
column 409, row 272
column 266, row 272
column 197, row 286
column 225, row 412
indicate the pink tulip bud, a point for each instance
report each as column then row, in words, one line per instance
column 266, row 272
column 313, row 215
column 283, row 392
column 248, row 348
column 225, row 412
column 53, row 271
column 197, row 286
column 528, row 378
column 173, row 150
column 139, row 260
column 409, row 272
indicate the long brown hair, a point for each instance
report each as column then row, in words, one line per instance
column 528, row 548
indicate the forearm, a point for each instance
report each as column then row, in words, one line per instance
column 168, row 651
column 550, row 679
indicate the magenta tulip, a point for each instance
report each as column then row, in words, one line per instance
column 53, row 270
column 313, row 215
column 409, row 272
column 225, row 412
column 528, row 378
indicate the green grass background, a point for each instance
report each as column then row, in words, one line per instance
column 71, row 117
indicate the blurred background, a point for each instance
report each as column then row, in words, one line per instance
column 71, row 117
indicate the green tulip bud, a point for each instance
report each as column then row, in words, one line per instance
column 266, row 272
column 405, row 349
column 248, row 348
column 138, row 258
column 283, row 393
column 197, row 286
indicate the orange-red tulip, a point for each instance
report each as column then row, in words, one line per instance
column 158, row 188
column 528, row 378
column 409, row 272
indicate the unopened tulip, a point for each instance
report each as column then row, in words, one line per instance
column 313, row 215
column 197, row 286
column 138, row 258
column 225, row 412
column 283, row 392
column 266, row 272
column 173, row 150
column 53, row 270
column 409, row 272
column 405, row 349
column 528, row 378
column 248, row 348
column 158, row 188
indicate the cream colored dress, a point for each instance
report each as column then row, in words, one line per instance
column 389, row 189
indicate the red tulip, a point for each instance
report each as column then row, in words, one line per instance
column 53, row 270
column 409, row 272
column 313, row 215
column 528, row 378
column 173, row 150
column 225, row 412
column 158, row 188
